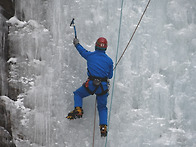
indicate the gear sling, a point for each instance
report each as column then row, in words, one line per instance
column 96, row 82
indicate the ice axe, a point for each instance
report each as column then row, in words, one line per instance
column 72, row 23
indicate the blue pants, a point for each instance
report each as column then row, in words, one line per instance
column 81, row 93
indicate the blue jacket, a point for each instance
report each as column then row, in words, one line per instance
column 99, row 64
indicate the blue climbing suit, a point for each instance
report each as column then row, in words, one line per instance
column 99, row 65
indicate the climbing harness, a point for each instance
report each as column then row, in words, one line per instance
column 97, row 82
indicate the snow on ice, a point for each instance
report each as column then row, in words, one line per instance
column 155, row 88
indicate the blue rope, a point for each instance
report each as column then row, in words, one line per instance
column 115, row 69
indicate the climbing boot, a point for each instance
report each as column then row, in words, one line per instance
column 76, row 113
column 103, row 130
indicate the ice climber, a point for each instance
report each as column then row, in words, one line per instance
column 100, row 69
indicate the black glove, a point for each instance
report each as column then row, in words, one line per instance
column 75, row 41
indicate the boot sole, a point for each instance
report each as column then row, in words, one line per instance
column 79, row 116
column 74, row 117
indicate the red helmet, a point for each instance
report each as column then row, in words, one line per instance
column 101, row 44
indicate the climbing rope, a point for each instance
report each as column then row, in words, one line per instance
column 94, row 124
column 132, row 35
column 116, row 62
column 119, row 30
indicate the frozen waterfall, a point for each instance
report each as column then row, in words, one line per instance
column 155, row 88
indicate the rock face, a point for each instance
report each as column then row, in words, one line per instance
column 5, row 127
column 6, row 11
column 8, row 8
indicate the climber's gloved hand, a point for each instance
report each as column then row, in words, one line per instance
column 75, row 41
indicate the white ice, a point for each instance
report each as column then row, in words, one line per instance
column 155, row 88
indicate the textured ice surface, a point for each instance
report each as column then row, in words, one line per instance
column 155, row 89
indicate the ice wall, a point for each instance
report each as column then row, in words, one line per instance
column 154, row 97
column 160, row 66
